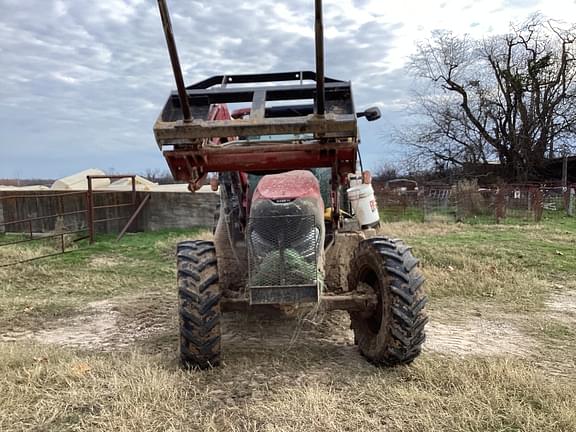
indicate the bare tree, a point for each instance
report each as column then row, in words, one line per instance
column 510, row 98
column 387, row 171
column 158, row 176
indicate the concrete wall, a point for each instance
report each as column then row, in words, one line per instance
column 165, row 210
column 172, row 210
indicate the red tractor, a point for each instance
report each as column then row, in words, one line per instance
column 286, row 234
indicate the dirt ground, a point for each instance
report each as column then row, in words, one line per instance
column 123, row 323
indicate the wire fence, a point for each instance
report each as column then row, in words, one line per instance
column 30, row 234
column 466, row 202
column 35, row 226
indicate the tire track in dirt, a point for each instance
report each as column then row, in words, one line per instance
column 477, row 337
column 563, row 306
column 150, row 322
column 114, row 324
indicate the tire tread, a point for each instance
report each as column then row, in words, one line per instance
column 407, row 317
column 199, row 297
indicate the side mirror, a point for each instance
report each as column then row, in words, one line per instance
column 371, row 114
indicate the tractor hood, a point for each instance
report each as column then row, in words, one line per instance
column 287, row 186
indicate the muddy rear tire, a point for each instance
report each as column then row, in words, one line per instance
column 393, row 333
column 216, row 217
column 199, row 297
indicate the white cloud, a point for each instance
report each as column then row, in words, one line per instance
column 65, row 78
column 60, row 8
column 118, row 10
column 87, row 78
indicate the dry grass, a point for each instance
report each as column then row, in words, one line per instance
column 454, row 274
column 410, row 230
column 49, row 389
column 500, row 358
column 20, row 252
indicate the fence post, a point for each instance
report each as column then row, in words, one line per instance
column 571, row 203
column 500, row 208
column 538, row 204
column 2, row 226
column 421, row 203
column 90, row 210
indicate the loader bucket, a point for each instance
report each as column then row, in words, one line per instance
column 263, row 141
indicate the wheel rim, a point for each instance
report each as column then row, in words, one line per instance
column 370, row 278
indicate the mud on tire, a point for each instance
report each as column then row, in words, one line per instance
column 199, row 311
column 216, row 217
column 393, row 333
column 232, row 261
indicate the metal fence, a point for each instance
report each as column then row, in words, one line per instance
column 99, row 212
column 52, row 223
column 56, row 228
column 457, row 203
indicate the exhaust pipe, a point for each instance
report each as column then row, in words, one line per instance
column 167, row 25
column 319, row 29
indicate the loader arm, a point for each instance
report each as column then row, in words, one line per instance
column 195, row 142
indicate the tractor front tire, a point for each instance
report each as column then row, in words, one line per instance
column 199, row 298
column 393, row 333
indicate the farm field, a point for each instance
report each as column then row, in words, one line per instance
column 88, row 341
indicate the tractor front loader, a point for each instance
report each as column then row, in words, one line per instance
column 286, row 234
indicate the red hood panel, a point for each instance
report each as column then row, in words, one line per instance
column 288, row 185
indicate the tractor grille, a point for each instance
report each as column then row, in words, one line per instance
column 282, row 257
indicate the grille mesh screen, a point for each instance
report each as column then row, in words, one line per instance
column 282, row 251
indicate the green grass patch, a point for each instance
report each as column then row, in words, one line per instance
column 510, row 267
column 52, row 287
column 524, row 247
column 397, row 214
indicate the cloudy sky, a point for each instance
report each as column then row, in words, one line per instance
column 82, row 81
